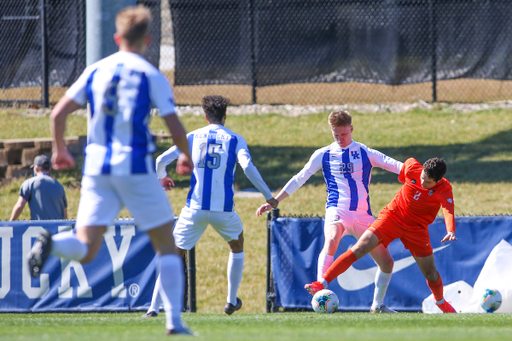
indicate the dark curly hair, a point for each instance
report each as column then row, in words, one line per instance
column 435, row 168
column 215, row 107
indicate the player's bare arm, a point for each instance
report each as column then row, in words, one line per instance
column 61, row 158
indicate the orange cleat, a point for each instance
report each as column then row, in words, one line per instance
column 446, row 307
column 314, row 287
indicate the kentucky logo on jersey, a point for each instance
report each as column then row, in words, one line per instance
column 355, row 154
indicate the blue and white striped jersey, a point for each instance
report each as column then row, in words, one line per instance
column 121, row 90
column 347, row 174
column 215, row 150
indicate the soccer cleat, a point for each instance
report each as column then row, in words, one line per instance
column 446, row 307
column 230, row 309
column 151, row 313
column 383, row 310
column 180, row 331
column 39, row 253
column 314, row 287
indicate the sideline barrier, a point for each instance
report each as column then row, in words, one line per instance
column 120, row 278
column 295, row 243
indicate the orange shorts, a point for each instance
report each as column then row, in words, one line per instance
column 415, row 238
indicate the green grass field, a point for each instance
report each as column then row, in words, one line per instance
column 477, row 147
column 259, row 326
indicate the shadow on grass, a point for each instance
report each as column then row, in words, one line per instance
column 277, row 164
column 466, row 162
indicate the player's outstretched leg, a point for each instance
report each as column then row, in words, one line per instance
column 171, row 292
column 382, row 257
column 314, row 287
column 39, row 253
column 172, row 278
column 340, row 265
column 382, row 280
column 324, row 262
column 234, row 274
column 437, row 290
column 156, row 301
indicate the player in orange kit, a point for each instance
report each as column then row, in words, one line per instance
column 407, row 217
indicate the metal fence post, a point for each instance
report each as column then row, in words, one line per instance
column 433, row 42
column 253, row 52
column 44, row 51
column 191, row 269
column 270, row 279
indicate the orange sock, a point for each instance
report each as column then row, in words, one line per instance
column 340, row 265
column 436, row 288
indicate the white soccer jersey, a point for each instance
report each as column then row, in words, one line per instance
column 347, row 174
column 121, row 90
column 215, row 150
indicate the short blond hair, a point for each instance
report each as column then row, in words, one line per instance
column 340, row 118
column 132, row 23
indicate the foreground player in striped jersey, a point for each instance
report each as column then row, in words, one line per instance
column 407, row 217
column 346, row 166
column 215, row 150
column 118, row 166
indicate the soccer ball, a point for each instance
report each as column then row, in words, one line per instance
column 325, row 301
column 491, row 300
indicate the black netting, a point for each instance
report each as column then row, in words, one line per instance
column 265, row 43
column 21, row 41
column 21, row 61
column 283, row 51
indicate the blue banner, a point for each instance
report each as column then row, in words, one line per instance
column 120, row 278
column 297, row 242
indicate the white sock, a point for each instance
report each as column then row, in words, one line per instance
column 324, row 282
column 66, row 245
column 324, row 262
column 382, row 280
column 172, row 288
column 235, row 271
column 156, row 301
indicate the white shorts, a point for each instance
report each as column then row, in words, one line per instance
column 103, row 196
column 355, row 222
column 192, row 223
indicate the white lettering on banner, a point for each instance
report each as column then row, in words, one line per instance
column 118, row 256
column 65, row 290
column 44, row 279
column 6, row 234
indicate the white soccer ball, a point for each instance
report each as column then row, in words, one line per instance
column 325, row 301
column 491, row 300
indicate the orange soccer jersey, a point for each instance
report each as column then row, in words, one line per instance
column 415, row 205
column 413, row 208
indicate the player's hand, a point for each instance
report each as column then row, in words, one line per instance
column 184, row 165
column 264, row 208
column 62, row 160
column 273, row 202
column 450, row 236
column 167, row 182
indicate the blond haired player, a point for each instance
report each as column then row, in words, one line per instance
column 118, row 165
column 407, row 217
column 346, row 166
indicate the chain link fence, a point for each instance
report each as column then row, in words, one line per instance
column 308, row 52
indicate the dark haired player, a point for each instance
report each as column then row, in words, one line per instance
column 215, row 152
column 407, row 217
